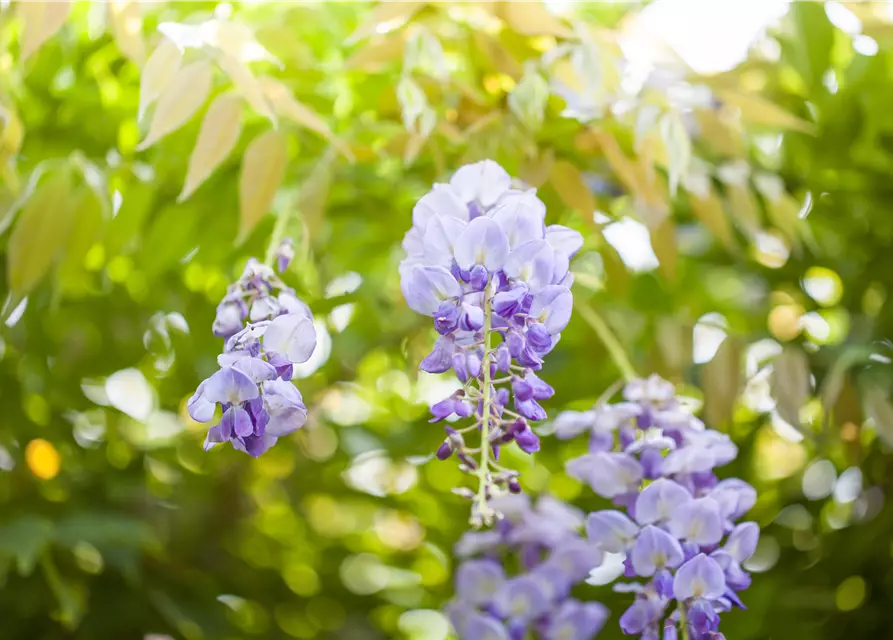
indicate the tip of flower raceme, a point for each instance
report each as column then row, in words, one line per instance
column 268, row 330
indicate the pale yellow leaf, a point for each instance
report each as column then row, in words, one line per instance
column 186, row 93
column 710, row 212
column 287, row 106
column 160, row 69
column 263, row 167
column 744, row 207
column 664, row 243
column 571, row 188
column 217, row 137
column 386, row 16
column 126, row 21
column 374, row 55
column 42, row 21
column 247, row 85
column 721, row 382
column 40, row 232
column 757, row 110
column 533, row 19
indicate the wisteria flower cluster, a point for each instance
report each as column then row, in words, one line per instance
column 496, row 281
column 543, row 541
column 676, row 529
column 267, row 330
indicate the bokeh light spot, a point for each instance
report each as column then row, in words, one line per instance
column 43, row 459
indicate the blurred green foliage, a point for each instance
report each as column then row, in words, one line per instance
column 764, row 189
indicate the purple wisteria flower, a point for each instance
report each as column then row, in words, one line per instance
column 675, row 521
column 482, row 263
column 267, row 331
column 544, row 542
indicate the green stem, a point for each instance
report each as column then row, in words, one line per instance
column 612, row 344
column 484, row 511
column 683, row 627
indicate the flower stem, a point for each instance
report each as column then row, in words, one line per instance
column 485, row 513
column 683, row 627
column 612, row 344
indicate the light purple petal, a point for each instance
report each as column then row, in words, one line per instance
column 659, row 499
column 699, row 521
column 576, row 621
column 524, row 598
column 426, row 287
column 520, row 221
column 482, row 242
column 241, row 421
column 291, row 335
column 440, row 239
column 569, row 424
column 478, row 580
column 564, row 240
column 552, row 306
column 531, row 263
column 284, row 404
column 612, row 531
column 255, row 368
column 483, row 182
column 700, row 577
column 742, row 541
column 200, row 408
column 442, row 200
column 735, row 497
column 482, row 627
column 655, row 549
column 609, row 474
column 229, row 386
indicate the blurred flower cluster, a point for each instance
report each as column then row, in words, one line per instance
column 482, row 263
column 267, row 330
column 656, row 461
column 543, row 541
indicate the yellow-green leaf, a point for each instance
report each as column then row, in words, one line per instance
column 710, row 212
column 185, row 95
column 87, row 213
column 721, row 382
column 247, row 85
column 160, row 69
column 759, row 111
column 571, row 188
column 386, row 16
column 42, row 21
column 217, row 137
column 878, row 407
column 790, row 383
column 126, row 21
column 287, row 106
column 40, row 232
column 263, row 167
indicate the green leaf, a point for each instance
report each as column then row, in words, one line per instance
column 25, row 539
column 40, row 232
column 721, row 381
column 811, row 43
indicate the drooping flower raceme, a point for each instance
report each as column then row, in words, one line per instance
column 267, row 330
column 551, row 556
column 676, row 521
column 495, row 279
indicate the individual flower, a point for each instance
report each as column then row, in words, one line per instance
column 676, row 521
column 267, row 330
column 544, row 541
column 495, row 280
